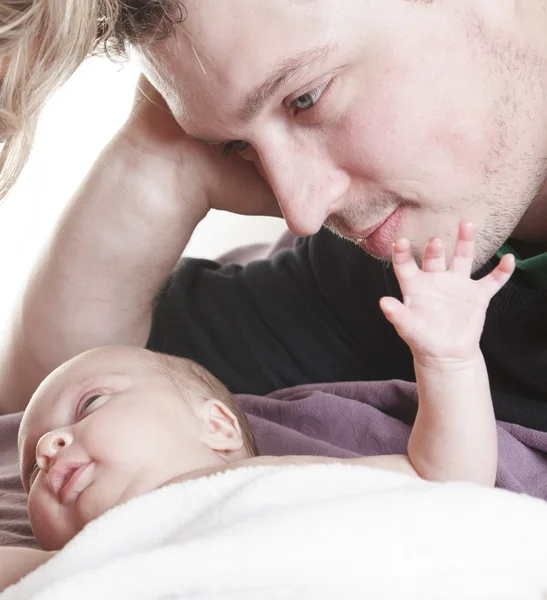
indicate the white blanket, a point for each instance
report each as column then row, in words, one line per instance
column 321, row 532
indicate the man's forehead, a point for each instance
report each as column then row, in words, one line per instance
column 223, row 50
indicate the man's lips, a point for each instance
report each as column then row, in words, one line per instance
column 377, row 240
column 380, row 242
column 359, row 236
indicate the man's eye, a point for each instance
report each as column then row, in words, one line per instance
column 237, row 145
column 309, row 99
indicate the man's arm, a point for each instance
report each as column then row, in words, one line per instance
column 15, row 563
column 94, row 285
column 117, row 243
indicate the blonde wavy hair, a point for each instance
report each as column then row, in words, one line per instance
column 42, row 43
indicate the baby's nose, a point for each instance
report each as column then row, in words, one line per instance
column 49, row 446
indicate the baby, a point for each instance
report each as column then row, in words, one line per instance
column 120, row 422
column 116, row 422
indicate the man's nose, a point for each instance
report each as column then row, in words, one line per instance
column 308, row 186
column 49, row 446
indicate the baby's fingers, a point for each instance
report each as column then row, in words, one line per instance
column 434, row 256
column 398, row 315
column 496, row 279
column 464, row 252
column 404, row 264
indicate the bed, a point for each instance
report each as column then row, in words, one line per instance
column 321, row 531
column 307, row 532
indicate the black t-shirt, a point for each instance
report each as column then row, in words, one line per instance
column 310, row 314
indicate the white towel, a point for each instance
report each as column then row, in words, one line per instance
column 322, row 532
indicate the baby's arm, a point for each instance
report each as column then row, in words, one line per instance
column 454, row 435
column 395, row 462
column 441, row 319
column 15, row 563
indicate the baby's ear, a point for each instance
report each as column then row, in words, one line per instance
column 222, row 432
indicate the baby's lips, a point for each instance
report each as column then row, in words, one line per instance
column 60, row 473
column 78, row 480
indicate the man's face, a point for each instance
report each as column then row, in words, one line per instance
column 378, row 118
column 100, row 430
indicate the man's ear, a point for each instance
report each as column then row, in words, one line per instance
column 221, row 432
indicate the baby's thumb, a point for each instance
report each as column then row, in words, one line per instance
column 397, row 314
column 390, row 307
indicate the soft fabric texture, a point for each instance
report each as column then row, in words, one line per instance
column 534, row 268
column 373, row 418
column 305, row 310
column 341, row 420
column 14, row 524
column 322, row 532
column 309, row 314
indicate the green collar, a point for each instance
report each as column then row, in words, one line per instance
column 533, row 270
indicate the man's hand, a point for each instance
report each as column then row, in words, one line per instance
column 222, row 182
column 443, row 310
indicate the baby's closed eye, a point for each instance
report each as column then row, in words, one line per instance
column 89, row 401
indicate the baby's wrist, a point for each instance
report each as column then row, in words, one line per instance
column 449, row 364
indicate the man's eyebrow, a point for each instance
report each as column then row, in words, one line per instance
column 284, row 71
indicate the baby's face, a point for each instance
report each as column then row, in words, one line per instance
column 100, row 430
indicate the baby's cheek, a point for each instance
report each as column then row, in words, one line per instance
column 46, row 524
column 37, row 512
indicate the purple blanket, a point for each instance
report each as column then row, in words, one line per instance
column 341, row 420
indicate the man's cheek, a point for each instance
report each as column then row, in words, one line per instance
column 366, row 149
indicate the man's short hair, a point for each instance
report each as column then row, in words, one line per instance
column 142, row 22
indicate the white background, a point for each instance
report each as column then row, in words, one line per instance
column 77, row 123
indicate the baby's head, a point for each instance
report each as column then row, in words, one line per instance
column 117, row 422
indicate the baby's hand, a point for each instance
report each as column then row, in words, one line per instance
column 443, row 313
